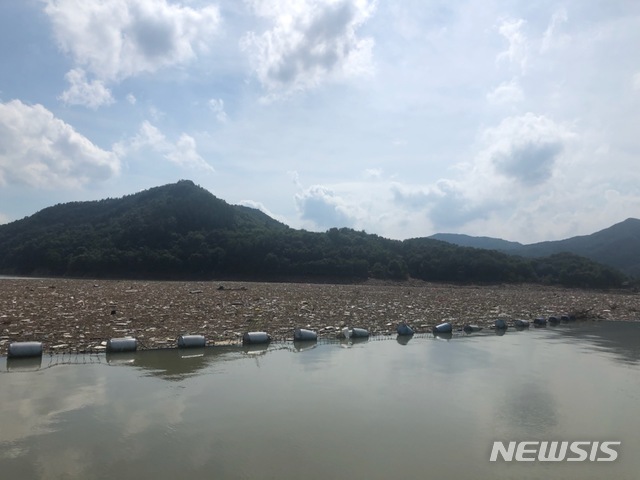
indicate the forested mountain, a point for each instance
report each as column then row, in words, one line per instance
column 183, row 231
column 617, row 246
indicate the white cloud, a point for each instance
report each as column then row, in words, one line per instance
column 506, row 93
column 551, row 37
column 39, row 150
column 183, row 153
column 131, row 99
column 117, row 39
column 310, row 42
column 525, row 148
column 4, row 219
column 260, row 206
column 516, row 53
column 217, row 106
column 323, row 208
column 373, row 173
column 446, row 204
column 516, row 159
column 81, row 92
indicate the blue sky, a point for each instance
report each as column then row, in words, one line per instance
column 509, row 119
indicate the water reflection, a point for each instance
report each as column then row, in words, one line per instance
column 174, row 364
column 528, row 409
column 24, row 364
column 373, row 411
column 621, row 339
column 443, row 335
column 301, row 346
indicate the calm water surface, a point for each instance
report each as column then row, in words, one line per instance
column 377, row 410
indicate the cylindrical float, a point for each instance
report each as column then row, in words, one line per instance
column 554, row 319
column 24, row 349
column 304, row 335
column 472, row 328
column 404, row 330
column 191, row 341
column 567, row 318
column 445, row 327
column 126, row 344
column 255, row 338
column 521, row 323
column 500, row 324
column 359, row 333
column 539, row 322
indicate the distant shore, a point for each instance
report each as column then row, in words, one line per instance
column 81, row 315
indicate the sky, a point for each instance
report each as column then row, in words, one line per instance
column 510, row 119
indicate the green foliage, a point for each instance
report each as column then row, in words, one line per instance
column 183, row 231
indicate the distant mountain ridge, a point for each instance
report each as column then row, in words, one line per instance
column 182, row 231
column 617, row 246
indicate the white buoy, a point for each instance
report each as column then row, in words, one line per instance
column 500, row 324
column 445, row 327
column 254, row 338
column 304, row 335
column 24, row 349
column 191, row 341
column 359, row 333
column 404, row 330
column 126, row 344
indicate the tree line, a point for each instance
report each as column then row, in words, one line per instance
column 182, row 231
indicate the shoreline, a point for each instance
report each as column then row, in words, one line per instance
column 79, row 316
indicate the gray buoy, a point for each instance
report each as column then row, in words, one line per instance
column 522, row 323
column 472, row 328
column 500, row 324
column 191, row 341
column 24, row 349
column 359, row 333
column 255, row 338
column 127, row 344
column 404, row 330
column 304, row 335
column 445, row 327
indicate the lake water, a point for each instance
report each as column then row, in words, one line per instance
column 430, row 408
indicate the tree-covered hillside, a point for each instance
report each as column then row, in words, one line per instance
column 183, row 231
column 617, row 246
